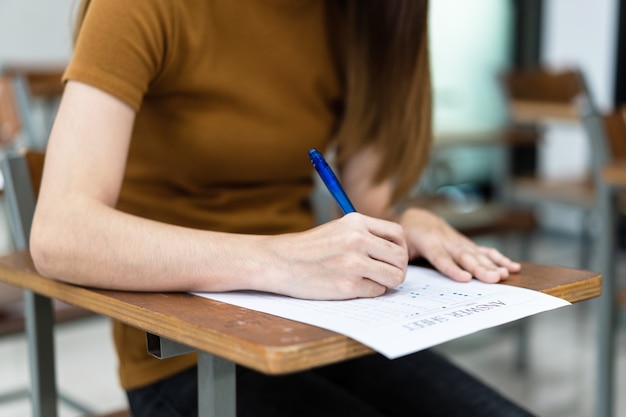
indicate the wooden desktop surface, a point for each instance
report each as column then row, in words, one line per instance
column 259, row 341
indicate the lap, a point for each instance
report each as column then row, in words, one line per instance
column 426, row 382
column 423, row 384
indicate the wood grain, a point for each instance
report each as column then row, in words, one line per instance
column 260, row 341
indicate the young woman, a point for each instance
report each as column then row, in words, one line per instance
column 180, row 154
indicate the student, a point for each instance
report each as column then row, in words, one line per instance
column 179, row 154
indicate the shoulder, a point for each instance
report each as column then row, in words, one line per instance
column 122, row 44
column 153, row 20
column 120, row 13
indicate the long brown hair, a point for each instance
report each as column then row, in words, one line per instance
column 388, row 86
column 81, row 11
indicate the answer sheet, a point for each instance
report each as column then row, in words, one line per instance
column 426, row 310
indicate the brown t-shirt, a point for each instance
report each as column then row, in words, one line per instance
column 230, row 95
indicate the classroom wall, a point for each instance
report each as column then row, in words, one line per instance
column 35, row 30
column 470, row 43
column 581, row 33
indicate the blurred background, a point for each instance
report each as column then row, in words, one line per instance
column 545, row 363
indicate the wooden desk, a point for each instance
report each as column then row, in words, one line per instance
column 225, row 335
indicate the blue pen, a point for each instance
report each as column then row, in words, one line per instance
column 332, row 183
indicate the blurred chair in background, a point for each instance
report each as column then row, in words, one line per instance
column 10, row 125
column 468, row 209
column 28, row 95
column 37, row 89
column 22, row 172
column 612, row 206
column 536, row 98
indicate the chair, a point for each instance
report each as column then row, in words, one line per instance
column 37, row 91
column 611, row 205
column 22, row 174
column 9, row 128
column 538, row 97
column 20, row 203
column 493, row 216
column 10, row 123
column 615, row 127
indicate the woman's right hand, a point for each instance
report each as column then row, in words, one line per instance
column 354, row 256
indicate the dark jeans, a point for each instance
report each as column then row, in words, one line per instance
column 422, row 384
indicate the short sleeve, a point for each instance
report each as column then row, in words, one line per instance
column 121, row 47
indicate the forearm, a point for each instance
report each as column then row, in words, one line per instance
column 79, row 237
column 109, row 249
column 355, row 256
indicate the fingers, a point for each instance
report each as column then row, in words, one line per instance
column 365, row 288
column 466, row 260
column 375, row 253
column 386, row 230
column 485, row 264
column 384, row 273
column 502, row 260
column 354, row 256
column 386, row 255
column 382, row 240
column 452, row 253
column 481, row 267
column 447, row 266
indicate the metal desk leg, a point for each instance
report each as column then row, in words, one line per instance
column 217, row 388
column 217, row 385
column 39, row 332
column 606, row 307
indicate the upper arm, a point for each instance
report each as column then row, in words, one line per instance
column 357, row 178
column 88, row 145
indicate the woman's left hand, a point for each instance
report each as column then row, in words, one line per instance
column 453, row 254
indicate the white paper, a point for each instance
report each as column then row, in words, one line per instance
column 426, row 310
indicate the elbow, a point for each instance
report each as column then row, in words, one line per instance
column 43, row 250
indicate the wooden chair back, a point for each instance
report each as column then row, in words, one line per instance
column 10, row 123
column 22, row 178
column 23, row 172
column 615, row 127
column 539, row 97
column 42, row 80
column 540, row 94
column 34, row 89
column 34, row 162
